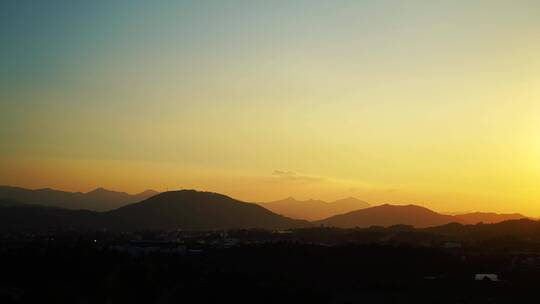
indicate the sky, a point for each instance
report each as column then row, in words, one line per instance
column 429, row 102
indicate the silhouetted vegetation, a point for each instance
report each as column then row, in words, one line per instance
column 315, row 265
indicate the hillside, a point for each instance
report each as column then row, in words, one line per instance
column 97, row 200
column 487, row 217
column 194, row 210
column 388, row 215
column 187, row 210
column 19, row 217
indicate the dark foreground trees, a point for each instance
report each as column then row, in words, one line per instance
column 269, row 273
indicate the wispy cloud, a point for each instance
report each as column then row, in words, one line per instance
column 292, row 176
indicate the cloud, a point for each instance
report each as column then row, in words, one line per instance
column 291, row 176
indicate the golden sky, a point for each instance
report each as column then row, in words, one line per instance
column 428, row 102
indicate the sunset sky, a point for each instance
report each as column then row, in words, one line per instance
column 429, row 102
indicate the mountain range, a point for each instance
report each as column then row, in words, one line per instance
column 487, row 217
column 97, row 200
column 22, row 209
column 314, row 209
column 388, row 215
column 185, row 209
column 417, row 216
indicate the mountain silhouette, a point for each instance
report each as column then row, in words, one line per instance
column 194, row 210
column 314, row 209
column 521, row 228
column 97, row 200
column 185, row 209
column 388, row 215
column 417, row 216
column 487, row 217
column 21, row 217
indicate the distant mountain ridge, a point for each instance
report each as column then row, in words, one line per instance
column 190, row 209
column 314, row 209
column 184, row 209
column 521, row 228
column 99, row 199
column 487, row 217
column 388, row 215
column 417, row 216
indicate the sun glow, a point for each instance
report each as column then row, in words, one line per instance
column 434, row 103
